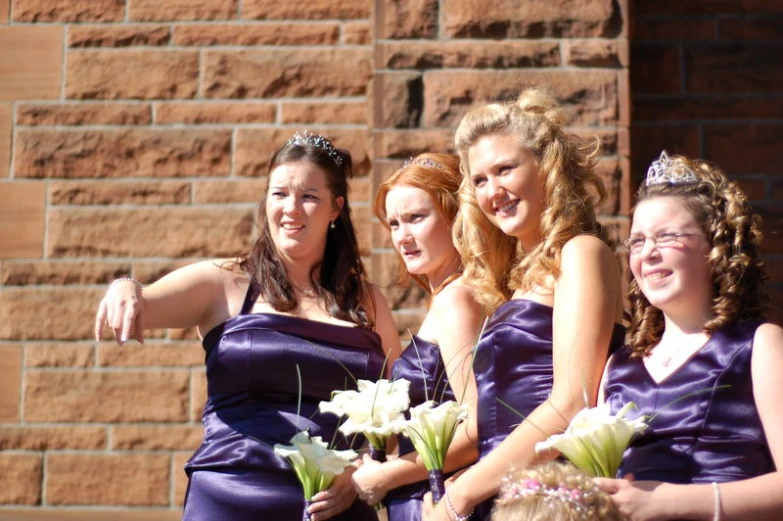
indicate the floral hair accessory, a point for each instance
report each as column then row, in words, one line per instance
column 664, row 170
column 578, row 499
column 316, row 140
column 423, row 161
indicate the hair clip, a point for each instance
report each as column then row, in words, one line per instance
column 532, row 487
column 316, row 140
column 664, row 170
column 424, row 161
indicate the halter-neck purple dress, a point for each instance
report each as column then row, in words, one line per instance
column 706, row 427
column 252, row 404
column 420, row 364
column 514, row 372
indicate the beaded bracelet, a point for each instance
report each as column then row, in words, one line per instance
column 457, row 517
column 716, row 493
column 124, row 279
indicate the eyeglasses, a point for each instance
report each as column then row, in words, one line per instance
column 660, row 240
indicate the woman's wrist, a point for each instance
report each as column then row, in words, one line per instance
column 125, row 279
column 459, row 504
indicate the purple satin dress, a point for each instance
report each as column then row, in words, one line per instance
column 706, row 426
column 252, row 362
column 514, row 372
column 420, row 364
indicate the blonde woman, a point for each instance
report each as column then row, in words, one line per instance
column 528, row 232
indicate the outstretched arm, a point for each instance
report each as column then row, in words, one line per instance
column 586, row 298
column 195, row 295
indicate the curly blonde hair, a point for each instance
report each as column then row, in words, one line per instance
column 733, row 232
column 553, row 490
column 438, row 175
column 494, row 263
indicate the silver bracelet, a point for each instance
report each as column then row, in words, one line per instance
column 716, row 508
column 124, row 279
column 457, row 517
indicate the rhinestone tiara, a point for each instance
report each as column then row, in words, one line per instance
column 316, row 140
column 424, row 161
column 664, row 170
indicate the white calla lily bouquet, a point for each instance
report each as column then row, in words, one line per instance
column 315, row 464
column 375, row 410
column 595, row 440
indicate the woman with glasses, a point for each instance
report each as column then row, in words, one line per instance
column 701, row 363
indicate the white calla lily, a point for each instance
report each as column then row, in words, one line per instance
column 431, row 429
column 315, row 464
column 595, row 440
column 375, row 409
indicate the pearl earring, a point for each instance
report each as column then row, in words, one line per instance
column 331, row 225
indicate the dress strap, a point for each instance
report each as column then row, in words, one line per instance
column 253, row 291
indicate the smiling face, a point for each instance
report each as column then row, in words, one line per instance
column 299, row 208
column 508, row 189
column 675, row 278
column 420, row 234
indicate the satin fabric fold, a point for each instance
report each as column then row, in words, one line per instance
column 253, row 365
column 705, row 427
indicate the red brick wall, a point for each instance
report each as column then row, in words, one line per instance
column 707, row 81
column 133, row 139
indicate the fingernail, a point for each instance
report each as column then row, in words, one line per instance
column 124, row 338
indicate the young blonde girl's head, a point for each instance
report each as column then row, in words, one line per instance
column 553, row 491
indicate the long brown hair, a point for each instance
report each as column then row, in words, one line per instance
column 495, row 263
column 733, row 232
column 340, row 279
column 436, row 174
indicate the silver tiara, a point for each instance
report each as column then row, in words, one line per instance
column 316, row 140
column 664, row 170
column 424, row 161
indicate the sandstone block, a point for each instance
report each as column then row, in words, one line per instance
column 189, row 333
column 591, row 95
column 477, row 55
column 324, row 112
column 11, row 384
column 84, row 114
column 182, row 10
column 381, row 238
column 149, row 271
column 116, row 74
column 409, row 321
column 31, row 62
column 151, row 354
column 180, row 478
column 21, row 479
column 702, row 108
column 514, row 19
column 156, row 437
column 405, row 144
column 156, row 232
column 103, row 193
column 107, row 479
column 4, row 8
column 286, row 73
column 32, row 313
column 656, row 69
column 647, row 29
column 26, row 273
column 759, row 143
column 37, row 11
column 198, row 394
column 673, row 7
column 616, row 175
column 361, row 215
column 407, row 19
column 121, row 153
column 229, row 191
column 314, row 10
column 361, row 190
column 52, row 438
column 357, row 33
column 214, row 113
column 21, row 220
column 284, row 33
column 397, row 99
column 648, row 141
column 6, row 117
column 596, row 53
column 746, row 28
column 118, row 35
column 255, row 146
column 98, row 396
column 59, row 355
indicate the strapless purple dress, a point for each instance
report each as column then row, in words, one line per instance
column 420, row 364
column 514, row 373
column 252, row 404
column 706, row 427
